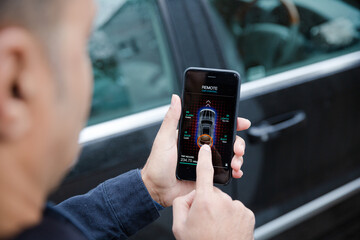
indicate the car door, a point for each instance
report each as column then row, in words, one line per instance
column 304, row 114
column 302, row 149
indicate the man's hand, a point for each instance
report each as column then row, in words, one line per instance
column 207, row 212
column 158, row 173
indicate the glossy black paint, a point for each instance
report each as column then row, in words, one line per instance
column 312, row 159
column 340, row 222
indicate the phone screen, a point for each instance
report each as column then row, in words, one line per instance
column 209, row 110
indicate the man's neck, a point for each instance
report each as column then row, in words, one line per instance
column 21, row 200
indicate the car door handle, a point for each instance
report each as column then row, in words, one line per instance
column 276, row 126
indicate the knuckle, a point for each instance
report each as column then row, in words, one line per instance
column 241, row 160
column 239, row 204
column 218, row 191
column 238, row 208
column 242, row 153
column 245, row 212
column 226, row 198
column 238, row 158
column 204, row 204
column 243, row 142
column 203, row 201
column 251, row 216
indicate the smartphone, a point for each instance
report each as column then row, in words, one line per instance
column 210, row 101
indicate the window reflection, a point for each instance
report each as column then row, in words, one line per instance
column 131, row 65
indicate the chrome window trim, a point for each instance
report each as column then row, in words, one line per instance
column 122, row 125
column 300, row 75
column 306, row 211
column 248, row 90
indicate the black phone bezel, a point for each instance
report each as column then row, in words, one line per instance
column 188, row 172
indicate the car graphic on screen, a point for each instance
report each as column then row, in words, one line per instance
column 206, row 127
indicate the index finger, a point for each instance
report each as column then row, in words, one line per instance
column 204, row 170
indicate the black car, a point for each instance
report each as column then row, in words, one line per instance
column 206, row 127
column 300, row 66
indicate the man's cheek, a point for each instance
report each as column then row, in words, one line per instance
column 76, row 158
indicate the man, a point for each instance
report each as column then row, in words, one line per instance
column 45, row 92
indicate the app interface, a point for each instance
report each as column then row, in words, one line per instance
column 208, row 117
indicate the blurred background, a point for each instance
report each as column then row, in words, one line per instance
column 300, row 67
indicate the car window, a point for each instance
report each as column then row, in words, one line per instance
column 273, row 36
column 132, row 68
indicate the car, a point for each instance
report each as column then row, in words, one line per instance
column 300, row 67
column 206, row 127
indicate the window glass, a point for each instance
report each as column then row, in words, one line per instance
column 130, row 58
column 273, row 36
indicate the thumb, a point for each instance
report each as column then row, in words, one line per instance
column 170, row 122
column 181, row 208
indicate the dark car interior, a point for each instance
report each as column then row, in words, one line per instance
column 274, row 33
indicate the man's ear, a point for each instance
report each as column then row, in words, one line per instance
column 15, row 88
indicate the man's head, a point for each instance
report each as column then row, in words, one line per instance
column 45, row 89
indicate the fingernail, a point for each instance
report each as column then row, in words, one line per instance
column 173, row 100
column 206, row 147
column 249, row 122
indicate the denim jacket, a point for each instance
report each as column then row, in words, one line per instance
column 116, row 209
